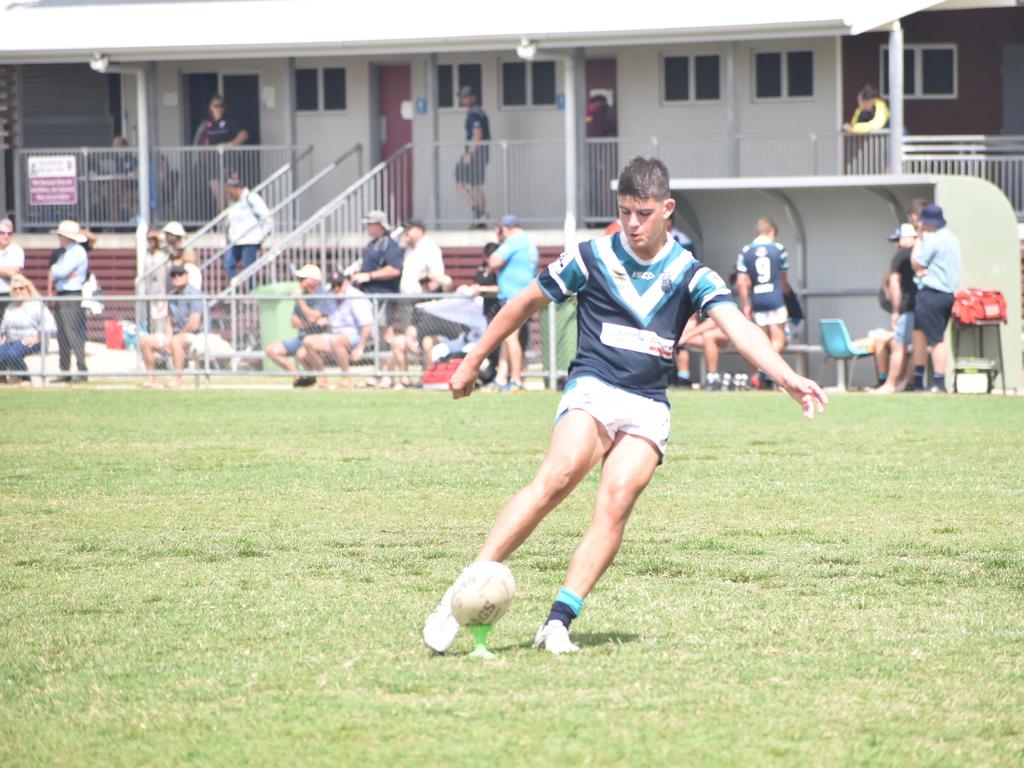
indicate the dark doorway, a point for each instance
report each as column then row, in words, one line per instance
column 602, row 151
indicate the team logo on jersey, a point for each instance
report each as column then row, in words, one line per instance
column 666, row 284
column 619, row 276
column 761, row 251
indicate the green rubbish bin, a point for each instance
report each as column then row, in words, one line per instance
column 276, row 316
column 565, row 334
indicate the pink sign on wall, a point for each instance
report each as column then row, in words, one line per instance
column 52, row 180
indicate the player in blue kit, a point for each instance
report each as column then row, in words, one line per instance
column 762, row 282
column 635, row 290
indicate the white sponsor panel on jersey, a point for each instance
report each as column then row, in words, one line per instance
column 636, row 340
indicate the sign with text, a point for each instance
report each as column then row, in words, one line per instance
column 52, row 180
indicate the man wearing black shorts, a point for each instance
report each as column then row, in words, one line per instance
column 936, row 261
column 469, row 171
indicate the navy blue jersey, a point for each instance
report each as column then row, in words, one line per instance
column 764, row 261
column 630, row 311
column 477, row 118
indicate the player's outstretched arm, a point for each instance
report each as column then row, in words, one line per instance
column 508, row 320
column 754, row 345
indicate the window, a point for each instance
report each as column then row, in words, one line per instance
column 525, row 84
column 448, row 88
column 335, row 96
column 929, row 71
column 778, row 76
column 696, row 78
column 307, row 89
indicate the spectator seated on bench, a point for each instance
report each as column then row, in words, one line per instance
column 351, row 324
column 25, row 323
column 181, row 333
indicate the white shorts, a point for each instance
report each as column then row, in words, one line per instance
column 618, row 410
column 772, row 317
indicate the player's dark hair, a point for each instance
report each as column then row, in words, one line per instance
column 867, row 93
column 644, row 178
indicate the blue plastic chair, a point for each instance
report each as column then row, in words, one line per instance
column 838, row 346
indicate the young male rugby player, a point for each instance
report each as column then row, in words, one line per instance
column 635, row 290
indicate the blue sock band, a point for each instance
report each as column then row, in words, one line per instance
column 571, row 599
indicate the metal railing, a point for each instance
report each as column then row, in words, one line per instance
column 186, row 185
column 333, row 237
column 998, row 159
column 275, row 187
column 408, row 333
column 287, row 213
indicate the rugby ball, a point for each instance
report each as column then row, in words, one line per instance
column 483, row 593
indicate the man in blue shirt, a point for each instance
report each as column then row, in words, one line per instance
column 936, row 261
column 516, row 262
column 469, row 171
column 634, row 289
column 309, row 316
column 69, row 273
column 184, row 322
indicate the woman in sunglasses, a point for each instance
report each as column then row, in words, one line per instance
column 23, row 327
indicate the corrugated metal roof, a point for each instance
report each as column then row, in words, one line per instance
column 61, row 30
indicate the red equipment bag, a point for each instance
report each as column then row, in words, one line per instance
column 438, row 374
column 975, row 305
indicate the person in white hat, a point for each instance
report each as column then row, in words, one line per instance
column 174, row 235
column 68, row 273
column 309, row 317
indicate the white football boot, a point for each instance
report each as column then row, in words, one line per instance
column 554, row 638
column 441, row 627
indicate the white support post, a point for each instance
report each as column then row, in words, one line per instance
column 896, row 98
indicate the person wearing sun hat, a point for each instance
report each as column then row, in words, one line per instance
column 69, row 273
column 936, row 261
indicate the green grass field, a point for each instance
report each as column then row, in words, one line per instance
column 239, row 578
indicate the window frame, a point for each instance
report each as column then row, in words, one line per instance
column 917, row 49
column 528, row 65
column 691, row 79
column 783, row 54
column 321, row 92
column 456, row 85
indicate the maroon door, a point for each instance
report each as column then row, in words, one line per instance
column 395, row 112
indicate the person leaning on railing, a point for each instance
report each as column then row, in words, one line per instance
column 871, row 115
column 23, row 327
column 249, row 224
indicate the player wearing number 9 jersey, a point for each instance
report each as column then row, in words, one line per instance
column 762, row 282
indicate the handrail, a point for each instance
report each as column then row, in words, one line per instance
column 220, row 217
column 355, row 148
column 323, row 212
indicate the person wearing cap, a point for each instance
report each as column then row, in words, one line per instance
column 174, row 236
column 309, row 316
column 12, row 262
column 516, row 261
column 350, row 323
column 184, row 320
column 68, row 274
column 937, row 264
column 469, row 171
column 249, row 224
column 899, row 292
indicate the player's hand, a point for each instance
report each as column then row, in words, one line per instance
column 807, row 393
column 357, row 354
column 464, row 379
